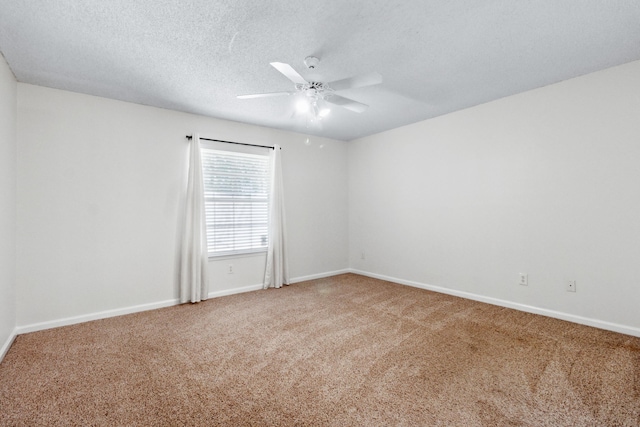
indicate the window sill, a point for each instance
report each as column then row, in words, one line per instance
column 261, row 252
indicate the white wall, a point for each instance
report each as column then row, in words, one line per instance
column 543, row 182
column 546, row 182
column 8, row 90
column 99, row 190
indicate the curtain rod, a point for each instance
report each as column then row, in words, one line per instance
column 232, row 142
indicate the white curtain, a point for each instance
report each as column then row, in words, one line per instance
column 193, row 267
column 277, row 271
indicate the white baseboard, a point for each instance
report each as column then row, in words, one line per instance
column 225, row 292
column 629, row 330
column 7, row 345
column 319, row 276
column 291, row 281
column 601, row 324
column 94, row 316
column 144, row 307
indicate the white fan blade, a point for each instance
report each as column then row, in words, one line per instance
column 263, row 95
column 289, row 72
column 357, row 81
column 347, row 103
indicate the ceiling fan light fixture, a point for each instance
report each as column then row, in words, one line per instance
column 302, row 106
column 314, row 92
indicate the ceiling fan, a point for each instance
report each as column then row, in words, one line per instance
column 318, row 92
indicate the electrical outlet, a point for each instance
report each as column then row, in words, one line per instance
column 362, row 256
column 524, row 279
column 571, row 285
column 230, row 269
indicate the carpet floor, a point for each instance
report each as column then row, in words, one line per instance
column 341, row 351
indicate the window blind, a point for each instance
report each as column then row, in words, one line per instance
column 236, row 201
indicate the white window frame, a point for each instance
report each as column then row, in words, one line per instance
column 237, row 222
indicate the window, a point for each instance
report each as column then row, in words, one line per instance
column 236, row 188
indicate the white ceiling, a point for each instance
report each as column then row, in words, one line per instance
column 436, row 56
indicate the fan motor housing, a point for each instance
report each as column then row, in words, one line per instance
column 312, row 88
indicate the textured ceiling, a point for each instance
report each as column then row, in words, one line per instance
column 435, row 56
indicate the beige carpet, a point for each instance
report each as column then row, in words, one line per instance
column 342, row 351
